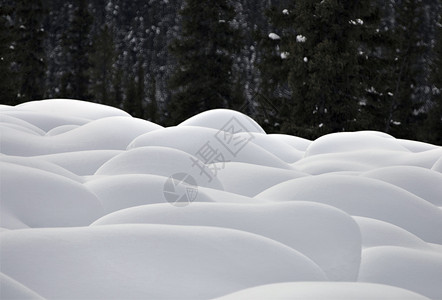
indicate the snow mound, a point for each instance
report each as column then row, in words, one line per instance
column 416, row 146
column 40, row 164
column 201, row 142
column 61, row 129
column 416, row 270
column 6, row 120
column 11, row 289
column 123, row 191
column 365, row 160
column 379, row 233
column 420, row 181
column 250, row 179
column 145, row 261
column 275, row 146
column 324, row 290
column 44, row 199
column 44, row 120
column 160, row 161
column 104, row 134
column 364, row 197
column 221, row 196
column 437, row 165
column 73, row 108
column 352, row 141
column 298, row 143
column 224, row 119
column 112, row 133
column 313, row 227
column 325, row 164
column 81, row 162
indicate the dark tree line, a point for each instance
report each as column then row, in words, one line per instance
column 305, row 67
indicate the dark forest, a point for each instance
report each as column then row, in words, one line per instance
column 305, row 67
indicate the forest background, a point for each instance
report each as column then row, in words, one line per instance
column 305, row 67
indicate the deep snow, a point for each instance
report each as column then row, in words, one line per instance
column 96, row 204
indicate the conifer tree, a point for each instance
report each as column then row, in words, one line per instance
column 77, row 48
column 409, row 48
column 324, row 70
column 8, row 82
column 274, row 90
column 135, row 94
column 102, row 61
column 204, row 53
column 140, row 94
column 29, row 52
column 118, row 95
column 434, row 121
column 152, row 111
column 311, row 66
column 377, row 58
column 129, row 103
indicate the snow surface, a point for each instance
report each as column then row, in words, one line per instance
column 274, row 36
column 324, row 290
column 86, row 209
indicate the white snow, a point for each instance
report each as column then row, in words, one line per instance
column 420, row 181
column 111, row 133
column 230, row 145
column 356, row 22
column 145, row 261
column 402, row 267
column 360, row 196
column 11, row 289
column 313, row 227
column 324, row 290
column 352, row 141
column 300, row 38
column 274, row 36
column 284, row 55
column 160, row 161
column 73, row 108
column 218, row 118
column 85, row 213
column 45, row 199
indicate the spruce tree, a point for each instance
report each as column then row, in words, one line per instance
column 408, row 67
column 377, row 58
column 29, row 52
column 129, row 103
column 434, row 121
column 324, row 69
column 152, row 111
column 273, row 57
column 118, row 94
column 77, row 48
column 102, row 61
column 135, row 94
column 204, row 53
column 8, row 82
column 139, row 100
